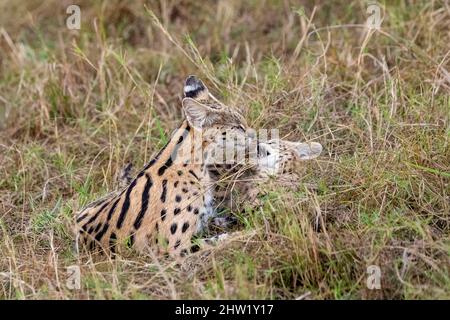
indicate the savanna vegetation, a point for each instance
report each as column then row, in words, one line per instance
column 77, row 105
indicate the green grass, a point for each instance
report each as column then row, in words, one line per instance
column 75, row 106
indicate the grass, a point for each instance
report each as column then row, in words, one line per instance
column 76, row 106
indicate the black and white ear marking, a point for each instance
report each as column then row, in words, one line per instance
column 195, row 89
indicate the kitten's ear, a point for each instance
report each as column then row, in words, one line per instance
column 197, row 114
column 308, row 151
column 195, row 89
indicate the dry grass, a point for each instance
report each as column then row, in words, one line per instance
column 75, row 106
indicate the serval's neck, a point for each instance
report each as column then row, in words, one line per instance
column 182, row 152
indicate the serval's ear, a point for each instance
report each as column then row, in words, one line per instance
column 195, row 89
column 197, row 114
column 308, row 151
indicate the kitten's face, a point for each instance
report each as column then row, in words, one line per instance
column 279, row 156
